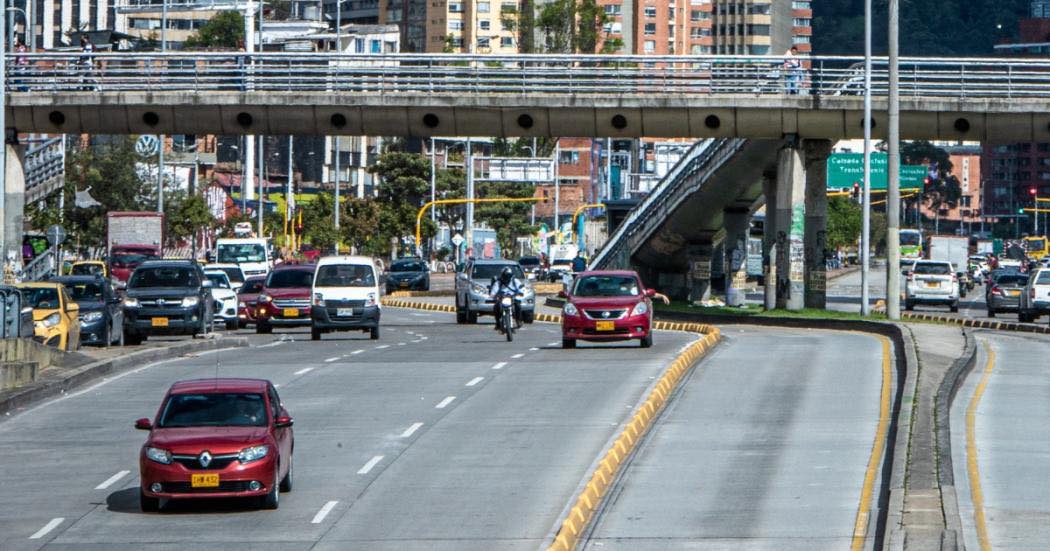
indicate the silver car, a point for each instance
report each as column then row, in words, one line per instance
column 473, row 285
column 1004, row 290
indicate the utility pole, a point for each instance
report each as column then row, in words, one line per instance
column 289, row 192
column 433, row 192
column 339, row 50
column 893, row 194
column 470, row 194
column 557, row 188
column 160, row 137
column 262, row 150
column 865, row 235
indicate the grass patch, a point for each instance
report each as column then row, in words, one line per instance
column 758, row 311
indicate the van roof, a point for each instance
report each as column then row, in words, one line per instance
column 344, row 259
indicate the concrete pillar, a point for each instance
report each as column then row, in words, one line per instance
column 698, row 276
column 14, row 209
column 790, row 224
column 769, row 241
column 816, row 165
column 736, row 225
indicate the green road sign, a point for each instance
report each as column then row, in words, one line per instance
column 845, row 169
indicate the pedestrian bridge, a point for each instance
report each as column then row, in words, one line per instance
column 519, row 95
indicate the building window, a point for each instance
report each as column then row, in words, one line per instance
column 649, row 46
column 758, row 50
column 670, row 13
column 569, row 157
column 508, row 7
column 800, row 39
column 613, row 9
column 484, row 24
column 757, row 9
column 699, row 15
column 375, row 46
column 801, row 22
column 650, row 28
column 483, row 7
column 390, row 47
column 455, row 25
column 614, row 27
column 359, row 45
column 457, row 42
column 758, row 30
column 800, row 5
column 650, row 11
column 455, row 7
column 506, row 42
column 483, row 42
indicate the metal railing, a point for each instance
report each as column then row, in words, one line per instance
column 45, row 169
column 14, row 323
column 477, row 75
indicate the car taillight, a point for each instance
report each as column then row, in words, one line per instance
column 955, row 278
column 996, row 290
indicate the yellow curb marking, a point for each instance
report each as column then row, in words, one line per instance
column 976, row 494
column 860, row 527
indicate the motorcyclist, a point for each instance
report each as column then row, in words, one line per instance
column 506, row 285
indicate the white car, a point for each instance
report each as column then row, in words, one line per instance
column 233, row 271
column 1035, row 299
column 932, row 282
column 345, row 295
column 225, row 297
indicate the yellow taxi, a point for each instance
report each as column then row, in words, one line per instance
column 89, row 267
column 56, row 317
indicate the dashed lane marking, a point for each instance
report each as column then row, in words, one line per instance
column 330, row 360
column 307, row 369
column 499, row 365
column 327, row 508
column 445, row 402
column 371, row 463
column 355, row 352
column 411, row 430
column 112, row 480
column 517, row 356
column 382, row 346
column 47, row 528
column 475, row 381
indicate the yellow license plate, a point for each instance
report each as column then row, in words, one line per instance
column 159, row 322
column 291, row 312
column 605, row 326
column 204, row 480
column 1013, row 293
column 932, row 284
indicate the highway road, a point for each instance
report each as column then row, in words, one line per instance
column 1001, row 444
column 438, row 436
column 768, row 445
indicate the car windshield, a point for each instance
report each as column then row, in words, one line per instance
column 235, row 274
column 43, row 298
column 1043, row 278
column 909, row 238
column 606, row 286
column 219, row 279
column 932, row 268
column 561, row 262
column 345, row 275
column 529, row 261
column 85, row 292
column 124, row 260
column 87, row 269
column 254, row 286
column 283, row 279
column 163, row 277
column 241, row 252
column 218, row 409
column 1035, row 244
column 1014, row 280
column 489, row 271
column 408, row 266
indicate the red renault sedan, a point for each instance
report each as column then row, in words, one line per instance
column 285, row 298
column 247, row 296
column 607, row 306
column 217, row 438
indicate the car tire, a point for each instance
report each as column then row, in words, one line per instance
column 134, row 339
column 568, row 343
column 991, row 313
column 148, row 504
column 528, row 317
column 108, row 338
column 232, row 325
column 263, row 328
column 1022, row 317
column 315, row 334
column 426, row 288
column 908, row 305
column 286, row 482
column 647, row 341
column 461, row 314
column 272, row 500
column 954, row 308
column 373, row 333
column 472, row 317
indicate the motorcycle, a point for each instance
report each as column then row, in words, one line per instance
column 508, row 322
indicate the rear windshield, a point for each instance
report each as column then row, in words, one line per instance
column 489, row 271
column 345, row 275
column 283, row 279
column 86, row 269
column 606, row 286
column 235, row 274
column 409, row 266
column 1011, row 279
column 214, row 410
column 124, row 260
column 164, row 277
column 219, row 280
column 85, row 292
column 929, row 268
column 253, row 286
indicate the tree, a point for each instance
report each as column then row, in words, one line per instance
column 571, row 26
column 404, row 184
column 224, row 30
column 359, row 222
column 844, row 223
column 319, row 222
column 451, row 183
column 187, row 215
column 942, row 191
column 510, row 220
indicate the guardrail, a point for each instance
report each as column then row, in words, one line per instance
column 45, row 169
column 472, row 74
column 13, row 322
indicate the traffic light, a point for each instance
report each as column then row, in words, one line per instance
column 856, row 192
column 1032, row 191
column 926, row 182
column 1020, row 210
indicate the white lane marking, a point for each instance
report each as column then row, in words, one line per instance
column 371, row 463
column 411, row 430
column 109, row 481
column 555, row 343
column 499, row 365
column 417, row 340
column 382, row 346
column 306, row 369
column 327, row 508
column 410, row 332
column 533, row 349
column 445, row 402
column 47, row 528
column 401, row 344
column 475, row 381
column 356, row 352
column 517, row 356
column 330, row 360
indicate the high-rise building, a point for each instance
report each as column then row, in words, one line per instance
column 54, row 21
column 455, row 26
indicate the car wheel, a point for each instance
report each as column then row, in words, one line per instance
column 472, row 317
column 263, row 328
column 426, row 287
column 528, row 317
column 373, row 333
column 133, row 339
column 315, row 334
column 148, row 504
column 231, row 325
column 647, row 341
column 991, row 313
column 286, row 482
column 461, row 313
column 954, row 308
column 272, row 500
column 1022, row 317
column 568, row 343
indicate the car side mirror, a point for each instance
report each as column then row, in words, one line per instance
column 563, row 294
column 72, row 307
column 283, row 421
column 650, row 293
column 143, row 424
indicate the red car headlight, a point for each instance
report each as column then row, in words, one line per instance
column 160, row 456
column 570, row 309
column 640, row 309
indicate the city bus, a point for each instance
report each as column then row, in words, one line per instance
column 1036, row 247
column 911, row 243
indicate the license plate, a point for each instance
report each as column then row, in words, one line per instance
column 160, row 322
column 403, row 285
column 291, row 312
column 204, row 480
column 932, row 284
column 344, row 312
column 605, row 325
column 1013, row 293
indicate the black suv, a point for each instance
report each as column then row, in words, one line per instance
column 408, row 274
column 167, row 297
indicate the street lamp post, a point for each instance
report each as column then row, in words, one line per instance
column 865, row 235
column 470, row 195
column 893, row 196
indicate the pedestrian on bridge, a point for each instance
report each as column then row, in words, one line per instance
column 87, row 63
column 793, row 70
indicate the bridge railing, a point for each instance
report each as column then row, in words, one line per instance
column 462, row 74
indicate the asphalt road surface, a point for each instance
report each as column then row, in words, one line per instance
column 766, row 446
column 1001, row 444
column 437, row 436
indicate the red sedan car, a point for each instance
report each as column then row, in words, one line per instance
column 247, row 296
column 216, row 438
column 607, row 306
column 285, row 298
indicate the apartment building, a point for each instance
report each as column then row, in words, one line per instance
column 455, row 26
column 54, row 21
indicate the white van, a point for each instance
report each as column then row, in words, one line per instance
column 345, row 296
column 251, row 254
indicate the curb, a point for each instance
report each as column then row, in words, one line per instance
column 946, row 392
column 409, row 294
column 880, row 307
column 40, row 390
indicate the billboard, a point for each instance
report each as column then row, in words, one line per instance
column 845, row 169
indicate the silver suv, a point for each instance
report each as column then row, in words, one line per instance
column 473, row 285
column 932, row 282
column 1035, row 299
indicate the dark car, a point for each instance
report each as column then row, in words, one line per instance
column 532, row 267
column 217, row 438
column 101, row 310
column 247, row 297
column 1003, row 292
column 285, row 298
column 408, row 274
column 167, row 297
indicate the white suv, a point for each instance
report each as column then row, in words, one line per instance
column 932, row 282
column 1035, row 299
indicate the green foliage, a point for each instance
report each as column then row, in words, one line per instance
column 510, row 220
column 186, row 216
column 319, row 222
column 359, row 220
column 844, row 223
column 572, row 26
column 592, row 18
column 404, row 186
column 225, row 30
column 527, row 27
column 944, row 191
